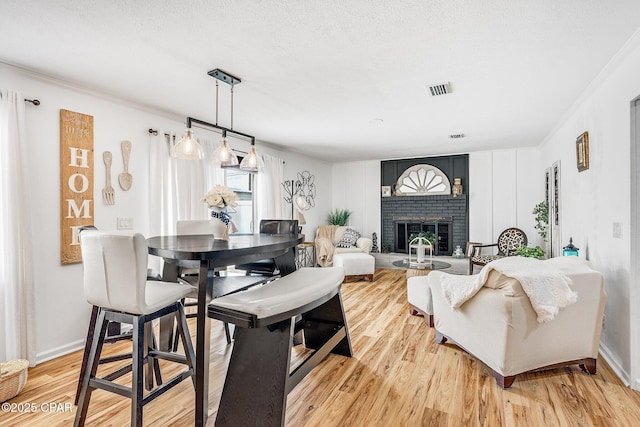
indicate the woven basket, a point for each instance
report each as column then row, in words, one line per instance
column 13, row 377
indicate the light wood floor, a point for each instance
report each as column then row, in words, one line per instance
column 397, row 377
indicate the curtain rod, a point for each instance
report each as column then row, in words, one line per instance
column 35, row 102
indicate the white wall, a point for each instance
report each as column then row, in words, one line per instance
column 504, row 187
column 62, row 311
column 356, row 187
column 321, row 171
column 596, row 198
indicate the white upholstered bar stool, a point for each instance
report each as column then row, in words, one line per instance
column 191, row 227
column 115, row 280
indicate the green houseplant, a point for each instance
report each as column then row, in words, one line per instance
column 530, row 252
column 541, row 212
column 426, row 234
column 338, row 217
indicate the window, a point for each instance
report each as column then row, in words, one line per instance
column 421, row 180
column 242, row 183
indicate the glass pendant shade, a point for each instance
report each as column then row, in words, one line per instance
column 252, row 162
column 188, row 147
column 224, row 156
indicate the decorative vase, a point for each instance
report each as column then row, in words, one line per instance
column 219, row 224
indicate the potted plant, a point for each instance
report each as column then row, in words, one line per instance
column 338, row 217
column 530, row 252
column 541, row 212
column 431, row 237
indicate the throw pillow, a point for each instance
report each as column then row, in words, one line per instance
column 349, row 238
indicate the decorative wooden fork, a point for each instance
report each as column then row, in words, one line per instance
column 108, row 193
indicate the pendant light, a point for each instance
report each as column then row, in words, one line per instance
column 252, row 162
column 223, row 155
column 188, row 147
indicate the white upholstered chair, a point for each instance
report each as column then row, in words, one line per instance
column 194, row 227
column 499, row 326
column 115, row 280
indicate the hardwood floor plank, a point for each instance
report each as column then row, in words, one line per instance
column 398, row 376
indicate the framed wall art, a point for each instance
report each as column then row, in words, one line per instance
column 582, row 152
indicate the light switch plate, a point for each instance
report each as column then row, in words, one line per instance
column 617, row 230
column 125, row 224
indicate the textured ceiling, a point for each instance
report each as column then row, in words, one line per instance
column 315, row 74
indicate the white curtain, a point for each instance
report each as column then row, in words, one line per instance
column 176, row 186
column 17, row 302
column 269, row 191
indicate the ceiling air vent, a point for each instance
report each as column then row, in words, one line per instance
column 440, row 89
column 456, row 135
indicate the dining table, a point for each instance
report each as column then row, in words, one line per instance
column 208, row 254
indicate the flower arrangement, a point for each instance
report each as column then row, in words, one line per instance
column 220, row 197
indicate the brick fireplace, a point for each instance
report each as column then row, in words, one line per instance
column 443, row 215
column 403, row 214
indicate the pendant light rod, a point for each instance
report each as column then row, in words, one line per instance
column 192, row 120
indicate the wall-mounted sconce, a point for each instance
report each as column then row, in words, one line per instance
column 456, row 190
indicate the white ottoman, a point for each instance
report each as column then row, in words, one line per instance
column 356, row 264
column 419, row 297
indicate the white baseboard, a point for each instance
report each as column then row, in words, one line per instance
column 624, row 376
column 59, row 351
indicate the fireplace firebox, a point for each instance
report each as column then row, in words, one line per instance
column 440, row 226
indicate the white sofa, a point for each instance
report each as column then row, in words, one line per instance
column 499, row 326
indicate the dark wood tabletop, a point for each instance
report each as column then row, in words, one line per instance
column 209, row 254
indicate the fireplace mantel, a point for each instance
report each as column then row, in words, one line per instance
column 423, row 218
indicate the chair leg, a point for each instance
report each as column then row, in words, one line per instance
column 183, row 331
column 87, row 348
column 504, row 382
column 227, row 332
column 137, row 365
column 156, row 364
column 440, row 339
column 151, row 361
column 91, row 369
column 589, row 366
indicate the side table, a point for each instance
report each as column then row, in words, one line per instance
column 306, row 255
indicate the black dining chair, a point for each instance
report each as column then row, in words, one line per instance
column 269, row 266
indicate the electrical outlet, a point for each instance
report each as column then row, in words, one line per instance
column 125, row 224
column 617, row 230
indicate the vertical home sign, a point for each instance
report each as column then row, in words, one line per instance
column 76, row 181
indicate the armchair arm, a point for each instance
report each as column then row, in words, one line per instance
column 364, row 243
column 476, row 248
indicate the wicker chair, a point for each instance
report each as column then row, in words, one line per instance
column 508, row 241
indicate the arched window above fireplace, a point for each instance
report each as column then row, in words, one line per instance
column 422, row 180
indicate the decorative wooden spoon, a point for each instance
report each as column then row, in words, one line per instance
column 125, row 178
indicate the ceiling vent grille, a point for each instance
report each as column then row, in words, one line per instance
column 456, row 135
column 440, row 89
